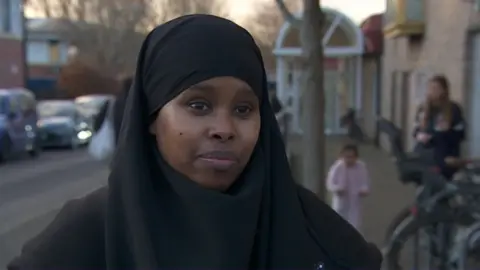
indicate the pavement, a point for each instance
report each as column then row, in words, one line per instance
column 388, row 195
column 33, row 190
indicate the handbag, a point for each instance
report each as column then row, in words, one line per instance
column 102, row 145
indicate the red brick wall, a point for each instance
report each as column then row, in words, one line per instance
column 11, row 63
column 43, row 71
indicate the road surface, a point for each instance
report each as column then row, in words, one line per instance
column 33, row 190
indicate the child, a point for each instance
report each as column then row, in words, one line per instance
column 348, row 181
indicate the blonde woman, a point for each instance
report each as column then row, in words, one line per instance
column 440, row 125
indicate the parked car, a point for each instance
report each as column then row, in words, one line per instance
column 18, row 123
column 60, row 124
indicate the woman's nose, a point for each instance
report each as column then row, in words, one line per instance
column 222, row 128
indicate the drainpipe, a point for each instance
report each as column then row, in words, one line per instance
column 24, row 44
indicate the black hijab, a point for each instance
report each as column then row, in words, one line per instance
column 158, row 219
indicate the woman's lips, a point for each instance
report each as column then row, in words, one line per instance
column 218, row 160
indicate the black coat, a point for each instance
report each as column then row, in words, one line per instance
column 443, row 143
column 75, row 240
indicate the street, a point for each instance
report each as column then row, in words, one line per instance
column 33, row 190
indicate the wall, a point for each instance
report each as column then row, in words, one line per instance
column 441, row 50
column 11, row 62
column 369, row 88
column 11, row 52
column 43, row 71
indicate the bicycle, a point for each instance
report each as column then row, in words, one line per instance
column 427, row 217
column 417, row 169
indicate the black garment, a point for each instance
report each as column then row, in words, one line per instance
column 276, row 105
column 156, row 218
column 119, row 108
column 443, row 143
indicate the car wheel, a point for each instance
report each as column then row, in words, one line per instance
column 5, row 148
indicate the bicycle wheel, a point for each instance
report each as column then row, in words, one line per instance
column 411, row 227
column 396, row 221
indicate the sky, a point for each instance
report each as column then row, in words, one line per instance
column 357, row 10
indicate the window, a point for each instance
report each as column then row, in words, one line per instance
column 13, row 105
column 419, row 83
column 38, row 52
column 5, row 16
column 54, row 51
column 27, row 103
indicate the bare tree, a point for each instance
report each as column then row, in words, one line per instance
column 164, row 10
column 313, row 97
column 77, row 79
column 109, row 33
column 105, row 32
column 265, row 24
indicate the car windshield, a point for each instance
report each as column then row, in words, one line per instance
column 90, row 105
column 56, row 109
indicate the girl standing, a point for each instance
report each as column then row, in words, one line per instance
column 348, row 181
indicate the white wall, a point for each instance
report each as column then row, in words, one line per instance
column 474, row 136
column 11, row 21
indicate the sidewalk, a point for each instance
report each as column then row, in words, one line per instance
column 388, row 195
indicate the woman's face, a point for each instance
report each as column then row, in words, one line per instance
column 209, row 131
column 435, row 91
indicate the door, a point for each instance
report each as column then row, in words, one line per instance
column 474, row 137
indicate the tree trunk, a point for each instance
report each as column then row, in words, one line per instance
column 313, row 99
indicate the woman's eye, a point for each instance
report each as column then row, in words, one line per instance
column 199, row 106
column 243, row 110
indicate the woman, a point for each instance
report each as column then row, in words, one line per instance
column 440, row 125
column 200, row 179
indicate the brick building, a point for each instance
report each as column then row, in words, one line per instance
column 47, row 52
column 11, row 45
column 423, row 38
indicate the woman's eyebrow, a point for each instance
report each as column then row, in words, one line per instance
column 202, row 87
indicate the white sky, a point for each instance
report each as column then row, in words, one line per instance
column 357, row 10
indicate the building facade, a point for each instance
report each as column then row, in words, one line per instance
column 427, row 37
column 11, row 45
column 47, row 52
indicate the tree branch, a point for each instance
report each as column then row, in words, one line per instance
column 292, row 19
